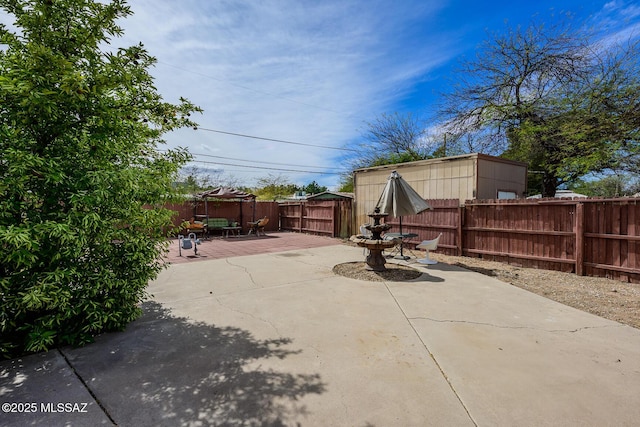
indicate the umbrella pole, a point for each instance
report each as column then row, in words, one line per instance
column 401, row 253
column 401, row 256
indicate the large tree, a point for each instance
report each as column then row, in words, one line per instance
column 608, row 186
column 392, row 138
column 554, row 98
column 314, row 188
column 81, row 182
column 274, row 187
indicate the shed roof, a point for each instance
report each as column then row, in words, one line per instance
column 442, row 160
column 331, row 195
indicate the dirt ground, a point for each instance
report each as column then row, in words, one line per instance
column 611, row 299
column 394, row 272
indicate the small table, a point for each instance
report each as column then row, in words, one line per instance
column 234, row 231
column 405, row 237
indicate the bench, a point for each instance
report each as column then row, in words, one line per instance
column 216, row 223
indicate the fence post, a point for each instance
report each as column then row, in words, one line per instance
column 301, row 215
column 579, row 232
column 460, row 225
column 334, row 209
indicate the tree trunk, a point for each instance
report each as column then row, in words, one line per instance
column 549, row 184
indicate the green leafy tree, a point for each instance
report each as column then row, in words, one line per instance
column 274, row 187
column 392, row 138
column 618, row 185
column 554, row 98
column 193, row 179
column 393, row 158
column 314, row 188
column 346, row 183
column 389, row 139
column 81, row 182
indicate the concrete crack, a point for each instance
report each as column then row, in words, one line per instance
column 245, row 269
column 511, row 327
column 432, row 356
column 235, row 310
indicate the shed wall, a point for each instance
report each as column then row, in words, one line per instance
column 433, row 179
column 495, row 175
column 463, row 177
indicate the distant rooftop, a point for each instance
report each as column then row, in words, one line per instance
column 331, row 195
column 561, row 194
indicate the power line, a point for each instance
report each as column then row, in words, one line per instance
column 340, row 171
column 275, row 140
column 265, row 168
column 263, row 162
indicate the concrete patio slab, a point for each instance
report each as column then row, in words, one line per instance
column 540, row 360
column 277, row 339
column 43, row 390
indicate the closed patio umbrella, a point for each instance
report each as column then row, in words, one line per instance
column 398, row 198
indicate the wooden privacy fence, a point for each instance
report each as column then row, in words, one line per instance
column 324, row 217
column 443, row 218
column 234, row 210
column 594, row 237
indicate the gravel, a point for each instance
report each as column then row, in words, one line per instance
column 393, row 273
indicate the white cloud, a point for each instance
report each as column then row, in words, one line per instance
column 309, row 70
column 302, row 71
column 617, row 21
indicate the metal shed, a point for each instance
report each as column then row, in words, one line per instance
column 465, row 177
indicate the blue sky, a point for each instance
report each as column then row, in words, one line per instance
column 314, row 72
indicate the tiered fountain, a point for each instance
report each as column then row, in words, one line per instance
column 375, row 261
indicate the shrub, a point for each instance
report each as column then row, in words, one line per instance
column 82, row 183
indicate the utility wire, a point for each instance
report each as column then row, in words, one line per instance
column 276, row 140
column 265, row 168
column 263, row 162
column 258, row 161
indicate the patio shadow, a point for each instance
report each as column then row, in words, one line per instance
column 166, row 370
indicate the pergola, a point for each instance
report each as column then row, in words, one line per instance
column 226, row 193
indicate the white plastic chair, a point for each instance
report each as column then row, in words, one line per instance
column 429, row 245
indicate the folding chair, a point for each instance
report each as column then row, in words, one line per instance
column 258, row 226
